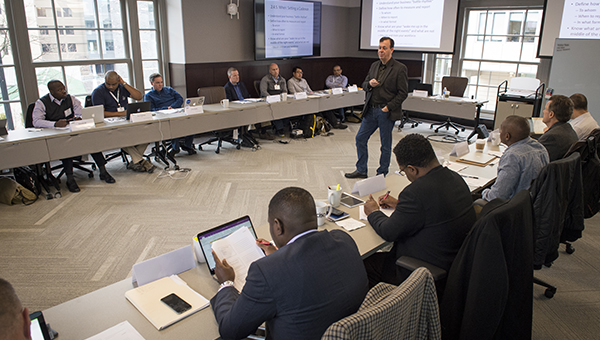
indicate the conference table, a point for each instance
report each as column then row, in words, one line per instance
column 31, row 146
column 97, row 311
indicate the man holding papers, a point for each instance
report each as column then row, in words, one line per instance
column 431, row 217
column 520, row 164
column 314, row 279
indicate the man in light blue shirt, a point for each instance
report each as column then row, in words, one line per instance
column 164, row 98
column 337, row 80
column 521, row 162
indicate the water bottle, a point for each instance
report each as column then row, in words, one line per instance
column 444, row 92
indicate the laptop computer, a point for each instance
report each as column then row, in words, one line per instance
column 39, row 330
column 93, row 112
column 3, row 131
column 206, row 238
column 195, row 101
column 138, row 107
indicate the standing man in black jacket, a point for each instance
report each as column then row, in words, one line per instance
column 431, row 217
column 387, row 87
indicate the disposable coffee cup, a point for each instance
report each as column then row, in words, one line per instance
column 480, row 144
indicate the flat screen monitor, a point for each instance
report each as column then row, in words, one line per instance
column 286, row 29
column 415, row 26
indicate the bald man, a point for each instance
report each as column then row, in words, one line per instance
column 312, row 280
column 272, row 84
column 521, row 162
column 113, row 95
column 14, row 318
column 582, row 121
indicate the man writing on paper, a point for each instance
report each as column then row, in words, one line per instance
column 298, row 84
column 387, row 88
column 113, row 95
column 14, row 318
column 582, row 121
column 163, row 98
column 292, row 289
column 521, row 162
column 560, row 135
column 431, row 217
column 54, row 110
column 272, row 84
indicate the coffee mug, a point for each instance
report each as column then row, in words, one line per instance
column 496, row 138
column 334, row 196
column 225, row 103
column 322, row 212
column 283, row 96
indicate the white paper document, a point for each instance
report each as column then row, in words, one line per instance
column 474, row 182
column 350, row 224
column 361, row 212
column 240, row 250
column 147, row 299
column 369, row 185
column 456, row 167
column 122, row 331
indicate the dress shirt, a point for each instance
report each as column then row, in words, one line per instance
column 584, row 125
column 39, row 112
column 295, row 85
column 300, row 235
column 339, row 81
column 520, row 164
column 101, row 96
column 267, row 85
column 163, row 99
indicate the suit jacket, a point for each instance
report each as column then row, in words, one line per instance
column 394, row 83
column 431, row 220
column 230, row 91
column 299, row 290
column 558, row 139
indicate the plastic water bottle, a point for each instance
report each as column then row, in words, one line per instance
column 444, row 92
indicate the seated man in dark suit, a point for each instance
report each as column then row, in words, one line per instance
column 559, row 135
column 14, row 318
column 314, row 279
column 431, row 217
column 236, row 90
column 55, row 110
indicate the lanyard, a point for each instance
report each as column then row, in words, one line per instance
column 116, row 98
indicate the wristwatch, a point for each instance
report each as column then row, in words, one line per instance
column 226, row 284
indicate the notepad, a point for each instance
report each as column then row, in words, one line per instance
column 477, row 158
column 147, row 299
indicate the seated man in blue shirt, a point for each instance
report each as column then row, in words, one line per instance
column 113, row 95
column 313, row 279
column 55, row 110
column 521, row 162
column 162, row 98
column 337, row 80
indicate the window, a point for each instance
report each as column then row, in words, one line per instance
column 46, row 48
column 69, row 32
column 148, row 39
column 443, row 64
column 44, row 32
column 58, row 13
column 72, row 47
column 67, row 12
column 110, row 46
column 498, row 45
column 10, row 97
column 41, row 12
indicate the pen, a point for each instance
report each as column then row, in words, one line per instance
column 265, row 243
column 467, row 176
column 386, row 195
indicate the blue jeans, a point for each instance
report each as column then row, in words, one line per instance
column 374, row 118
column 188, row 141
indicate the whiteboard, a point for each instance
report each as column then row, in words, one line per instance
column 576, row 69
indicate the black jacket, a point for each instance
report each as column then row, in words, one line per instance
column 232, row 95
column 558, row 207
column 590, row 172
column 489, row 291
column 394, row 86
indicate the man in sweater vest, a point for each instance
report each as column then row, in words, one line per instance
column 56, row 109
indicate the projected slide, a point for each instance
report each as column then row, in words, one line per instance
column 408, row 22
column 288, row 28
column 580, row 20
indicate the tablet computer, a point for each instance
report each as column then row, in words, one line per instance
column 350, row 201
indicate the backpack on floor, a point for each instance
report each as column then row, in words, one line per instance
column 12, row 192
column 28, row 179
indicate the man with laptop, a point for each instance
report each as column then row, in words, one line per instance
column 163, row 98
column 56, row 109
column 113, row 95
column 311, row 280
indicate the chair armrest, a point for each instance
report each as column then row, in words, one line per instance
column 411, row 264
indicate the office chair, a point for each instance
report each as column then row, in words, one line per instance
column 257, row 87
column 414, row 84
column 457, row 87
column 407, row 311
column 489, row 288
column 213, row 95
column 43, row 171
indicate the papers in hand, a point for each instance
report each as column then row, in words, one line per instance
column 363, row 216
column 350, row 224
column 122, row 331
column 147, row 299
column 240, row 250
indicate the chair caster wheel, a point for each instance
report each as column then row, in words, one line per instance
column 90, row 175
column 238, row 147
column 456, row 133
column 217, row 151
column 463, row 129
column 549, row 293
column 431, row 127
column 200, row 147
column 49, row 196
column 570, row 249
column 94, row 167
column 416, row 124
column 57, row 195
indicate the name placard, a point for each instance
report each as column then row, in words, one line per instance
column 140, row 117
column 353, row 88
column 84, row 124
column 192, row 110
column 273, row 99
column 337, row 90
column 300, row 95
column 420, row 93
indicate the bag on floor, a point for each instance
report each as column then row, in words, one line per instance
column 12, row 192
column 309, row 125
column 27, row 178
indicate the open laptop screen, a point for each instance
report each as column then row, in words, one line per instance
column 206, row 238
column 138, row 107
